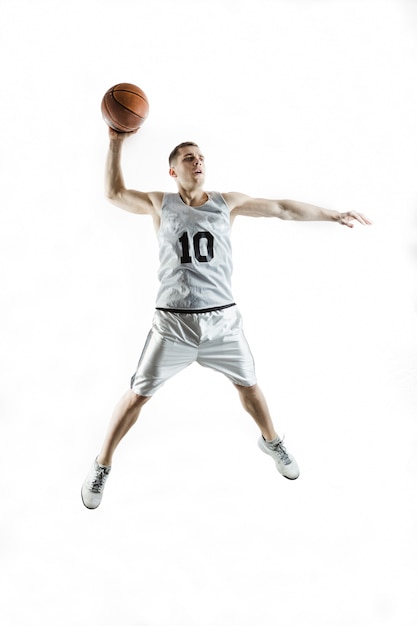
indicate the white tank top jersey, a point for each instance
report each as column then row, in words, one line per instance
column 195, row 255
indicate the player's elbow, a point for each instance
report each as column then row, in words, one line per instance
column 113, row 194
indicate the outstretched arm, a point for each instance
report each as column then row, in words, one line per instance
column 241, row 204
column 128, row 199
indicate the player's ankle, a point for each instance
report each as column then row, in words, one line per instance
column 269, row 437
column 104, row 461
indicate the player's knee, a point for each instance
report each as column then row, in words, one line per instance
column 141, row 400
column 137, row 400
column 247, row 391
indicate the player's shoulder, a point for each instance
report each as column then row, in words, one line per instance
column 156, row 199
column 234, row 199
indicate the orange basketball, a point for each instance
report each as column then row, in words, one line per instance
column 124, row 107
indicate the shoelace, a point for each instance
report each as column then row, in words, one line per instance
column 99, row 479
column 280, row 450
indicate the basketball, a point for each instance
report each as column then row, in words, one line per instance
column 124, row 107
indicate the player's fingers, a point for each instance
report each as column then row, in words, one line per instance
column 362, row 219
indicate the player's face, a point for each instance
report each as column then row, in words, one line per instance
column 189, row 168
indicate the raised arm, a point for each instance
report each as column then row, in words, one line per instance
column 142, row 203
column 241, row 204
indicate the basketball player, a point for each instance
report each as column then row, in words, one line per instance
column 196, row 318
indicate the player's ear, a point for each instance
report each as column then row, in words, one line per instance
column 172, row 172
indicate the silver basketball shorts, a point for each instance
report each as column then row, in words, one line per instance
column 176, row 340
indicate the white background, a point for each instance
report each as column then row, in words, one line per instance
column 312, row 100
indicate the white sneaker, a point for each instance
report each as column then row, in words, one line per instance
column 92, row 489
column 286, row 464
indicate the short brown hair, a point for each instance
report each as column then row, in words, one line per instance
column 174, row 153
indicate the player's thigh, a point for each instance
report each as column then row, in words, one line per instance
column 161, row 359
column 232, row 357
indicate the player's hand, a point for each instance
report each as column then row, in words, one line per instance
column 349, row 218
column 114, row 135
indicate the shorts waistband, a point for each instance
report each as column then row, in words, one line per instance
column 185, row 311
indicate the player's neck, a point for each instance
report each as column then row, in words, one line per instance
column 193, row 197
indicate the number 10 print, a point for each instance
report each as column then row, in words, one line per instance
column 197, row 239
